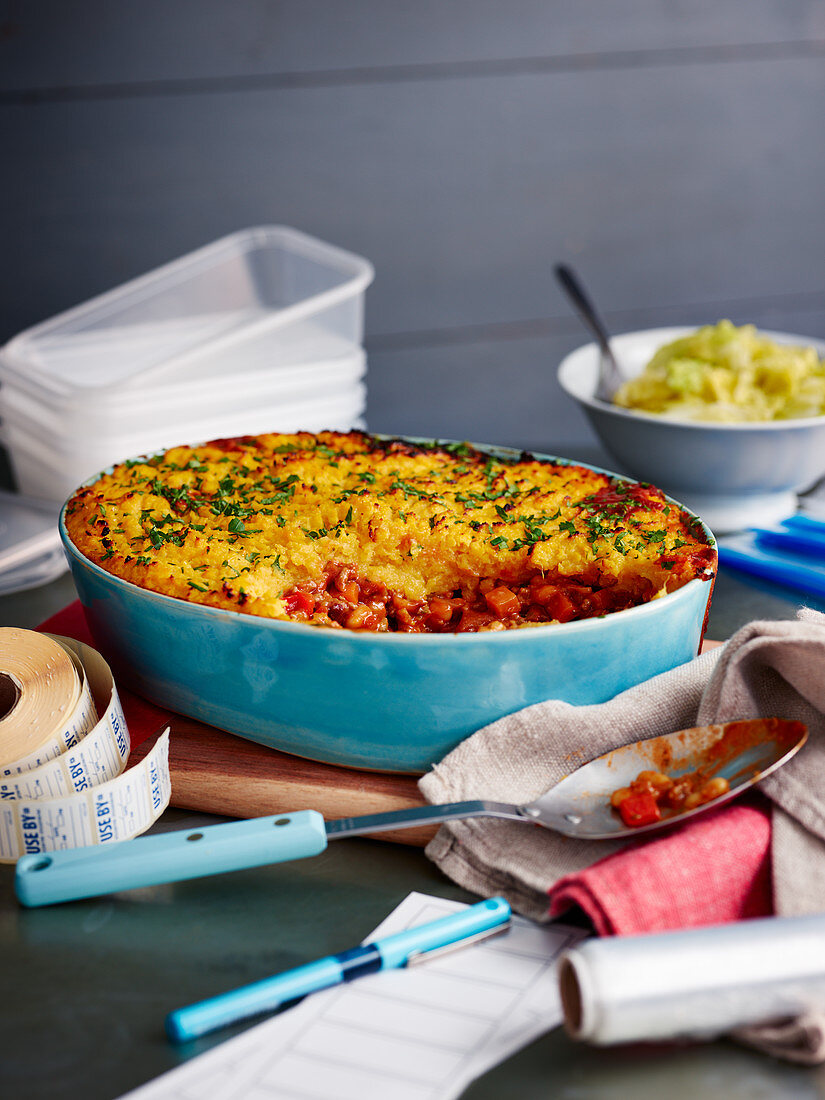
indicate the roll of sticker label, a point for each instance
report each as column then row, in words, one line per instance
column 63, row 782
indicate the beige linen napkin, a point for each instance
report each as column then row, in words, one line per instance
column 766, row 669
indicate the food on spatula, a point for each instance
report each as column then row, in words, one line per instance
column 653, row 795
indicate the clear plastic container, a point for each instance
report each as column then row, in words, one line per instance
column 127, row 412
column 32, row 574
column 51, row 468
column 30, row 550
column 258, row 298
column 28, row 529
column 259, row 331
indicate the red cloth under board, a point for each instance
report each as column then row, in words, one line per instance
column 142, row 718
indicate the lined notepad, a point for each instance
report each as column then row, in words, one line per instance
column 421, row 1033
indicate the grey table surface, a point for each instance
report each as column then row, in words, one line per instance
column 87, row 985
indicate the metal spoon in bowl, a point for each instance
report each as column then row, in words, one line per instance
column 579, row 806
column 610, row 377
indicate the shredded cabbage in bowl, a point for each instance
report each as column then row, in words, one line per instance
column 728, row 375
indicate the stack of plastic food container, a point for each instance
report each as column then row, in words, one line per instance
column 259, row 331
column 30, row 549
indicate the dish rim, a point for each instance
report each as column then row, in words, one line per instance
column 365, row 637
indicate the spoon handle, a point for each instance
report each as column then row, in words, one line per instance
column 50, row 877
column 578, row 296
column 610, row 377
column 421, row 815
column 73, row 873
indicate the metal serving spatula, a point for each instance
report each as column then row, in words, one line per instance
column 579, row 806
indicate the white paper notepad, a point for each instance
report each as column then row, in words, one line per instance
column 420, row 1033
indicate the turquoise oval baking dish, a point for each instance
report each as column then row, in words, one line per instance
column 389, row 702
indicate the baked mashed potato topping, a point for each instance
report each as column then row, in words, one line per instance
column 729, row 375
column 355, row 531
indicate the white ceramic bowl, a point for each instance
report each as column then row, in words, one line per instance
column 732, row 475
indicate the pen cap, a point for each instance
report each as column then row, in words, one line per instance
column 396, row 950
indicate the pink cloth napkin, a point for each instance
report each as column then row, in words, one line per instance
column 714, row 870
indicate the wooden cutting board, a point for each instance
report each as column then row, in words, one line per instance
column 217, row 773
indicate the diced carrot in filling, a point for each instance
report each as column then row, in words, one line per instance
column 441, row 609
column 503, row 603
column 299, row 602
column 557, row 603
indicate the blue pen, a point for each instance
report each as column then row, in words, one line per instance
column 397, row 950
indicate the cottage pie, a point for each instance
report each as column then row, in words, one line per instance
column 365, row 533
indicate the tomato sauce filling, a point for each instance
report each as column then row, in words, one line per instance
column 343, row 598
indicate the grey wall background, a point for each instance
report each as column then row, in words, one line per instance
column 672, row 150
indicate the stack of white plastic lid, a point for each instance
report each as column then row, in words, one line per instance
column 259, row 331
column 30, row 549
